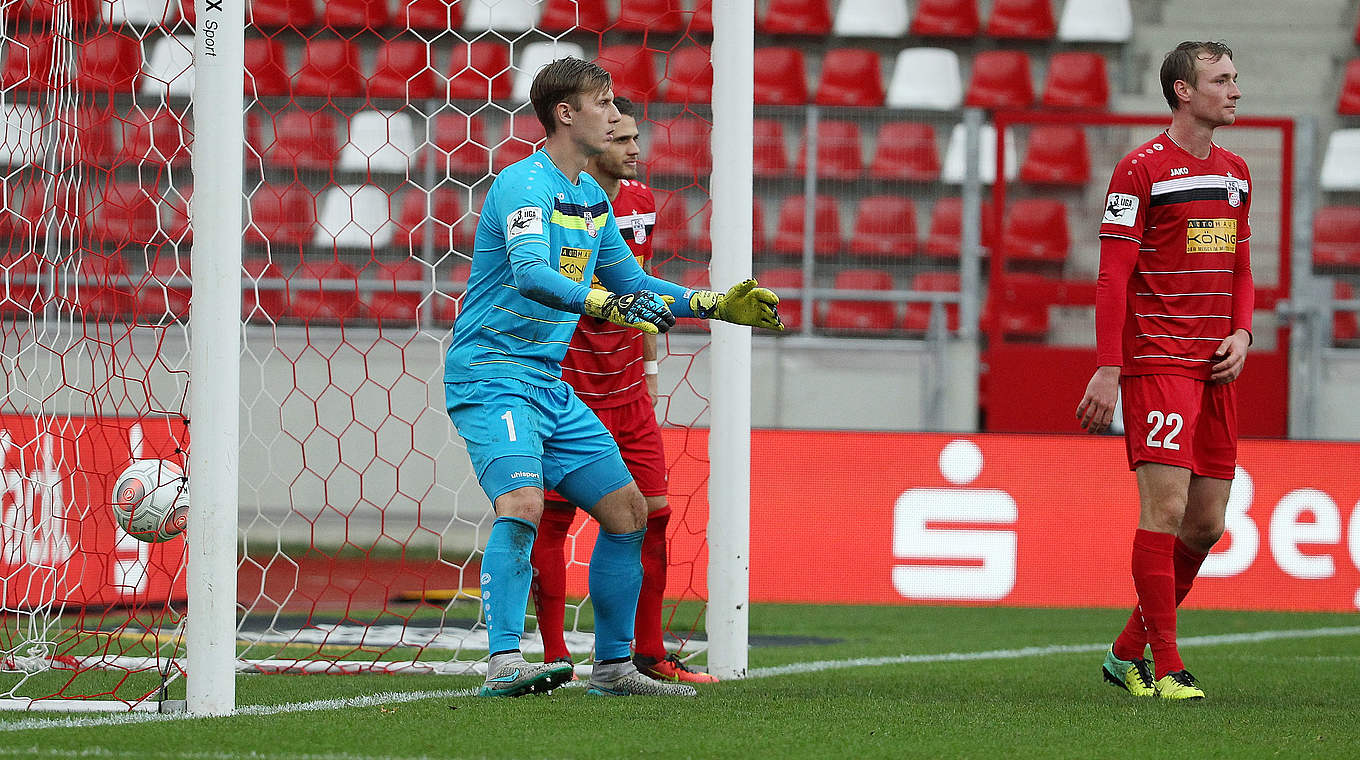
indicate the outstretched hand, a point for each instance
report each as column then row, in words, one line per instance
column 743, row 304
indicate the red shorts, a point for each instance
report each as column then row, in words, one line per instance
column 634, row 428
column 1181, row 421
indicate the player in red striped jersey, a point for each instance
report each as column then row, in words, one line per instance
column 1174, row 305
column 613, row 369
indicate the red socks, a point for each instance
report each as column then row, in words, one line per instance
column 647, row 631
column 550, row 583
column 549, row 586
column 1133, row 638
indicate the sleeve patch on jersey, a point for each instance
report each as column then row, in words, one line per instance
column 524, row 221
column 1121, row 209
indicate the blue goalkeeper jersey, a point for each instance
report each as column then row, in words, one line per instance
column 540, row 240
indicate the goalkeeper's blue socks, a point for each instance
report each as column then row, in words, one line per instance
column 506, row 574
column 615, row 579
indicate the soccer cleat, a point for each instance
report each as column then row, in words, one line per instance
column 1133, row 676
column 670, row 669
column 628, row 682
column 567, row 661
column 515, row 679
column 1179, row 684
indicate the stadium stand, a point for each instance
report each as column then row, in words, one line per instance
column 303, row 140
column 169, row 70
column 281, row 214
column 858, row 316
column 379, row 141
column 354, row 216
column 399, row 303
column 139, row 13
column 509, row 16
column 916, row 318
column 1056, row 154
column 108, row 63
column 783, row 280
column 1021, row 19
column 356, row 14
column 575, row 15
column 1345, row 325
column 159, row 137
column 525, row 136
column 781, row 77
column 535, row 56
column 480, row 71
column 826, row 240
column 277, row 14
column 128, row 214
column 1341, row 161
column 906, row 151
column 266, row 67
column 325, row 292
column 402, row 70
column 944, row 239
column 804, row 17
column 1001, row 79
column 329, row 69
column 1348, row 101
column 838, row 150
column 1096, row 21
column 1076, row 79
column 1035, row 230
column 850, row 77
column 689, row 75
column 427, row 218
column 885, row 227
column 633, row 71
column 680, row 147
column 656, row 16
column 945, row 18
column 670, row 236
column 871, row 18
column 461, row 144
column 28, row 57
column 1336, row 237
column 955, row 164
column 769, row 159
column 429, row 15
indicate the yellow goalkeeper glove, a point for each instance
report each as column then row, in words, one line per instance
column 644, row 310
column 744, row 304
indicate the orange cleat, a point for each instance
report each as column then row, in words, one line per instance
column 671, row 669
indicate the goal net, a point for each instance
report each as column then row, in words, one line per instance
column 372, row 131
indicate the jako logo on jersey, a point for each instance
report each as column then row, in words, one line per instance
column 1180, row 171
column 524, row 221
column 1121, row 209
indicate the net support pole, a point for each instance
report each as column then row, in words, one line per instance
column 729, row 444
column 215, row 354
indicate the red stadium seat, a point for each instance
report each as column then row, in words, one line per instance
column 689, row 75
column 64, row 210
column 160, row 137
column 654, row 16
column 127, row 215
column 105, row 291
column 850, row 77
column 701, row 22
column 1055, row 154
column 782, row 280
column 1022, row 19
column 946, row 228
column 461, row 144
column 1036, row 230
column 78, row 11
column 478, row 70
column 19, row 293
column 1336, row 236
column 303, row 140
column 945, row 18
column 525, row 137
column 917, row 317
column 680, row 148
column 1020, row 305
column 109, row 63
column 810, row 17
column 430, row 15
column 28, row 60
column 1076, row 80
column 670, row 236
column 356, row 14
column 869, row 317
column 94, row 125
column 827, row 217
column 402, row 70
column 838, row 151
column 409, row 281
column 1001, row 79
column 276, row 14
column 1348, row 103
column 281, row 214
column 423, row 215
column 330, row 69
column 704, row 241
column 266, row 67
column 575, row 15
column 1345, row 328
column 632, row 69
column 906, row 151
column 781, row 79
column 324, row 292
column 175, row 216
column 770, row 160
column 885, row 226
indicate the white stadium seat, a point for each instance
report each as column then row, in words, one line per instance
column 21, row 141
column 169, row 70
column 380, row 141
column 355, row 216
column 140, row 12
column 954, row 164
column 500, row 15
column 1341, row 162
column 1096, row 21
column 871, row 18
column 536, row 55
column 926, row 78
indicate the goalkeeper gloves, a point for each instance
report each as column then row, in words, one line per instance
column 744, row 304
column 643, row 310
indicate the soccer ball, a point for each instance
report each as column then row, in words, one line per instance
column 151, row 500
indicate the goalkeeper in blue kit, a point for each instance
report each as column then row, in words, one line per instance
column 543, row 235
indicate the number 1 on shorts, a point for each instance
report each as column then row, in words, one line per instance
column 509, row 424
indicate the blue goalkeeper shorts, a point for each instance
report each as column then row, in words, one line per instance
column 519, row 434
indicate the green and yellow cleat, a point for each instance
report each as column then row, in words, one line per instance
column 1179, row 684
column 1133, row 676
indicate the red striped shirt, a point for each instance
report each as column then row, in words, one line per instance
column 604, row 361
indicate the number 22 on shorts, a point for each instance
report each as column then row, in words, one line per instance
column 1167, row 425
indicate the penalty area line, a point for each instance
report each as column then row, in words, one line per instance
column 390, row 698
column 1023, row 652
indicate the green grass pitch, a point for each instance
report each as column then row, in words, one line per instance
column 1269, row 696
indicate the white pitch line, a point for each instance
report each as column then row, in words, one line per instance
column 389, row 698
